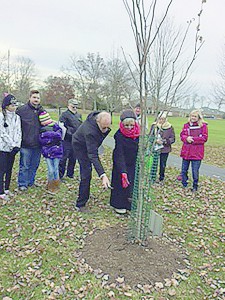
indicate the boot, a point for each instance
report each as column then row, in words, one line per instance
column 57, row 184
column 50, row 187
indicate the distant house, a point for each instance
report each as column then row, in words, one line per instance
column 211, row 113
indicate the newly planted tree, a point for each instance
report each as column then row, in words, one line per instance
column 146, row 27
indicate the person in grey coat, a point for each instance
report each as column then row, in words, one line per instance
column 71, row 119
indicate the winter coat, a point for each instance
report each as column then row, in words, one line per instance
column 51, row 141
column 194, row 150
column 138, row 119
column 124, row 160
column 167, row 135
column 11, row 135
column 71, row 121
column 30, row 125
column 87, row 139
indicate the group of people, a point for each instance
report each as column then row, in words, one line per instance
column 30, row 130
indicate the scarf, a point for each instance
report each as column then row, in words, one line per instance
column 130, row 133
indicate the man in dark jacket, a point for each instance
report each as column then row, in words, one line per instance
column 86, row 141
column 71, row 120
column 30, row 152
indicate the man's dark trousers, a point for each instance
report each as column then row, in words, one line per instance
column 85, row 181
column 68, row 155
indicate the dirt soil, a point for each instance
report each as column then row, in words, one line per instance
column 110, row 251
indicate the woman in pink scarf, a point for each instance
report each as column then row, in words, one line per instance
column 124, row 160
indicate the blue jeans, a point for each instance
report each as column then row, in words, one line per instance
column 53, row 168
column 195, row 165
column 29, row 162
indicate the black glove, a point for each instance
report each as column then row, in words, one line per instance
column 15, row 150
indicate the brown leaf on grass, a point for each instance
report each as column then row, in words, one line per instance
column 60, row 290
column 111, row 294
column 128, row 294
column 172, row 292
column 66, row 224
column 120, row 279
column 159, row 285
column 146, row 288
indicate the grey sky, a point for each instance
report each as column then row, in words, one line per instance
column 49, row 31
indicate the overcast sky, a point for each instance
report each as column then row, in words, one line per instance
column 49, row 31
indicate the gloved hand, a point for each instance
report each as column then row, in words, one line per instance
column 15, row 150
column 125, row 181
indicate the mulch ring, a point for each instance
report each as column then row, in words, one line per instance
column 118, row 260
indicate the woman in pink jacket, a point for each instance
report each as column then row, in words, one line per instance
column 193, row 135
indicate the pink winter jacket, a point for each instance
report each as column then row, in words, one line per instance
column 195, row 150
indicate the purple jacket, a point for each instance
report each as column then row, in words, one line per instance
column 51, row 141
column 195, row 150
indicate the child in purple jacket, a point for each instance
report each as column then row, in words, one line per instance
column 193, row 135
column 51, row 148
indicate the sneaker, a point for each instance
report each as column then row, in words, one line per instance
column 120, row 211
column 194, row 190
column 22, row 188
column 10, row 194
column 35, row 185
column 4, row 197
column 83, row 209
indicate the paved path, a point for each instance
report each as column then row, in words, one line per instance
column 175, row 161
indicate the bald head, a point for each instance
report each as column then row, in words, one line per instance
column 104, row 121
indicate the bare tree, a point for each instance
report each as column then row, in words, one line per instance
column 161, row 68
column 23, row 77
column 87, row 75
column 219, row 87
column 4, row 75
column 146, row 28
column 118, row 88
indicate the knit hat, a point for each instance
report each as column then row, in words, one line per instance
column 127, row 114
column 73, row 101
column 45, row 119
column 162, row 115
column 8, row 99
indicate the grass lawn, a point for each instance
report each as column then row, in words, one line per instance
column 214, row 148
column 40, row 235
column 216, row 127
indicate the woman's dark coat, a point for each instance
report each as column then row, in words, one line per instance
column 124, row 159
